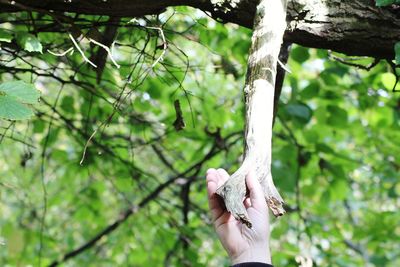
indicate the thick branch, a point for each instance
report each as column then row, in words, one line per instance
column 269, row 26
column 354, row 27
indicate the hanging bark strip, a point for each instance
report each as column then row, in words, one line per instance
column 269, row 26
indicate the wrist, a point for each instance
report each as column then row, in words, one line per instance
column 259, row 254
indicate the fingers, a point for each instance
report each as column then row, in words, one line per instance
column 218, row 177
column 247, row 203
column 224, row 176
column 256, row 193
column 215, row 178
column 212, row 185
column 212, row 180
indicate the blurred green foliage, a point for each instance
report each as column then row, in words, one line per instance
column 140, row 185
column 386, row 2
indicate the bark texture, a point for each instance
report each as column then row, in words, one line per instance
column 354, row 27
column 269, row 26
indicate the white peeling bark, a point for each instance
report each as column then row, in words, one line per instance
column 269, row 26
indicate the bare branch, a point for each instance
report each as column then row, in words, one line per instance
column 80, row 51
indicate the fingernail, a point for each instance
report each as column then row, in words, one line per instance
column 210, row 170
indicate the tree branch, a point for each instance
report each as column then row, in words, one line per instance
column 280, row 75
column 353, row 27
column 269, row 26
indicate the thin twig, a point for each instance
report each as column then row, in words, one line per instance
column 80, row 51
column 71, row 49
column 165, row 45
column 346, row 62
column 286, row 68
column 86, row 146
column 107, row 50
column 394, row 66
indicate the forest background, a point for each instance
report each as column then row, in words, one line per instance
column 109, row 171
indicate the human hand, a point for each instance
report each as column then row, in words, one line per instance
column 243, row 244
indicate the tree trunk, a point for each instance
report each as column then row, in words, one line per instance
column 353, row 27
column 269, row 26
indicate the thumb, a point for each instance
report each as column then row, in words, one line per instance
column 256, row 193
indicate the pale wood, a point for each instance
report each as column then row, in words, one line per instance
column 269, row 26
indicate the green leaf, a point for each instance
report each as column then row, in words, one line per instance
column 13, row 97
column 310, row 91
column 324, row 148
column 328, row 76
column 300, row 54
column 5, row 36
column 386, row 2
column 338, row 116
column 299, row 111
column 38, row 126
column 397, row 52
column 339, row 189
column 388, row 80
column 379, row 260
column 67, row 104
column 29, row 42
column 336, row 170
column 12, row 109
column 311, row 136
column 24, row 92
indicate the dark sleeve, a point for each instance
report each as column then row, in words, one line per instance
column 252, row 264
